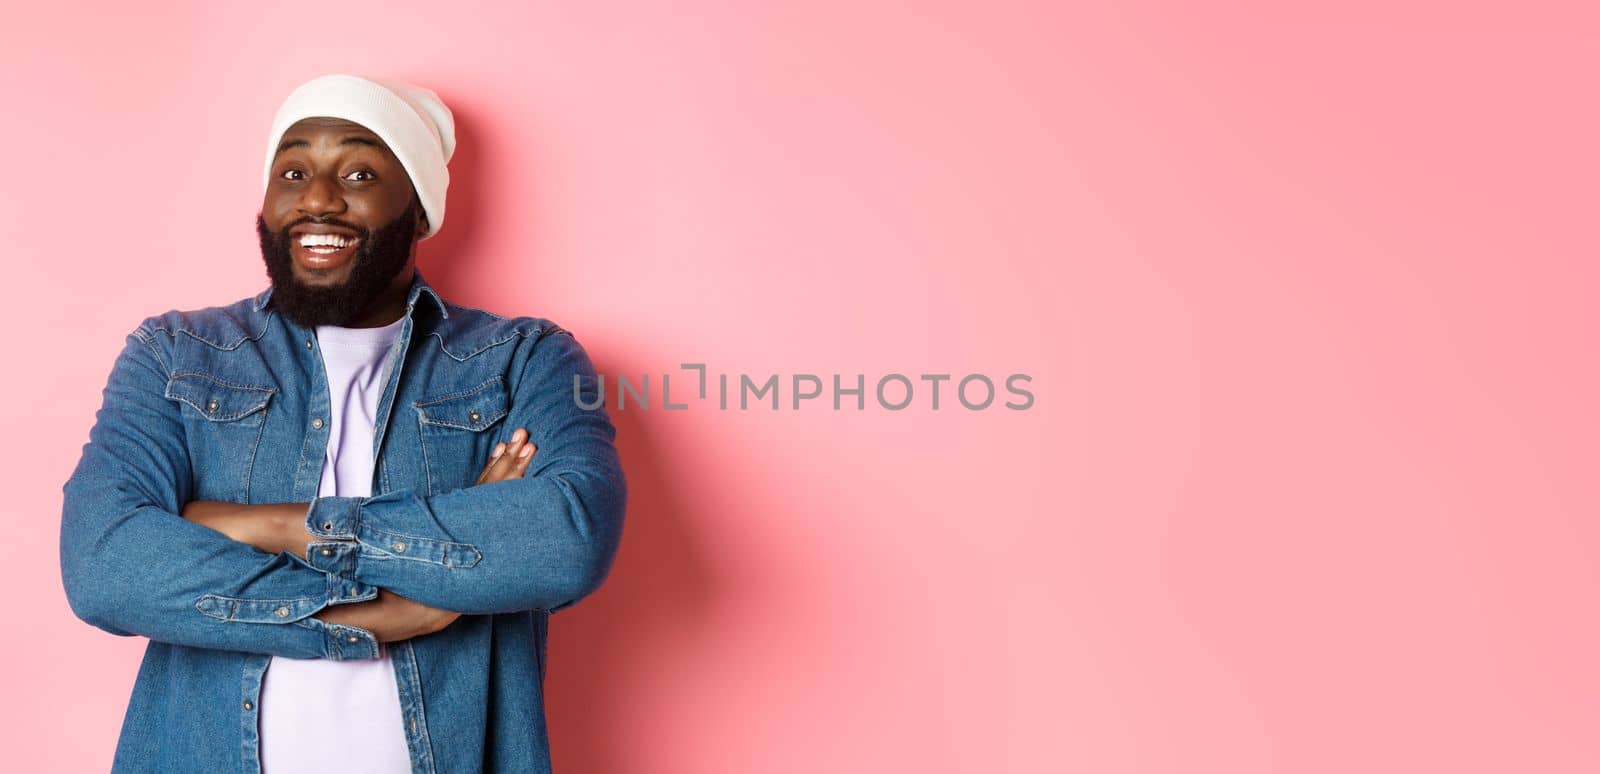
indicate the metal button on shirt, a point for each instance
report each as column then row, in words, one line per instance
column 316, row 424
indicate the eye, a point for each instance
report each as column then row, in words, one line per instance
column 288, row 172
column 369, row 175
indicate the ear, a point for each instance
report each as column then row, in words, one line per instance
column 422, row 223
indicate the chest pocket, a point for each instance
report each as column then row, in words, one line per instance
column 223, row 423
column 456, row 433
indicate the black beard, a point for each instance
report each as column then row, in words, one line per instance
column 379, row 258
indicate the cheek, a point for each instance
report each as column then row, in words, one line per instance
column 277, row 213
column 372, row 211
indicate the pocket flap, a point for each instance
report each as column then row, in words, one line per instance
column 473, row 409
column 216, row 400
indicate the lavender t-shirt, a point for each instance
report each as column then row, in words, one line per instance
column 321, row 715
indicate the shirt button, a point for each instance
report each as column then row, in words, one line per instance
column 327, row 525
column 316, row 424
column 352, row 638
column 212, row 406
column 248, row 705
column 308, row 343
column 282, row 612
column 327, row 552
column 473, row 416
column 399, row 547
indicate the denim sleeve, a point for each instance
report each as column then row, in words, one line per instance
column 539, row 542
column 132, row 565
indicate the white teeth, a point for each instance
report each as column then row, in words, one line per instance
column 324, row 240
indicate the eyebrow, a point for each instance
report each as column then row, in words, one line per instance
column 354, row 139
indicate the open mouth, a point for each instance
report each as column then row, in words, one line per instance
column 323, row 251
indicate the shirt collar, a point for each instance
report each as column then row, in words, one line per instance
column 419, row 288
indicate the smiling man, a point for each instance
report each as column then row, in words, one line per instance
column 343, row 510
column 335, row 244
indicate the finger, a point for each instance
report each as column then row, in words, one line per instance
column 497, row 468
column 513, row 447
column 515, row 441
column 524, row 459
column 501, row 466
column 499, row 449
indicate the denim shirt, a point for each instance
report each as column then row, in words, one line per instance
column 232, row 404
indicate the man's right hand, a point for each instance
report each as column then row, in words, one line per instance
column 392, row 617
column 509, row 460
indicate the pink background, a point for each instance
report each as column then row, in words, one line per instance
column 1307, row 296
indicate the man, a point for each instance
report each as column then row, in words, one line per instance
column 344, row 509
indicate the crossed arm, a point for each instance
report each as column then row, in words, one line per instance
column 132, row 565
column 281, row 527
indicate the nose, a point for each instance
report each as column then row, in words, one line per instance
column 321, row 197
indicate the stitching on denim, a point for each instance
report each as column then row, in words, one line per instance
column 461, row 394
column 485, row 421
column 538, row 330
column 149, row 340
column 383, row 531
column 210, row 378
column 262, row 600
column 376, row 554
column 232, row 416
column 423, row 539
column 234, row 602
column 383, row 556
column 160, row 324
column 337, row 599
column 426, row 741
column 476, row 352
column 255, row 448
column 427, row 467
column 486, row 424
column 353, row 511
column 332, row 633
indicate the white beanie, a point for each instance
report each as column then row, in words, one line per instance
column 417, row 127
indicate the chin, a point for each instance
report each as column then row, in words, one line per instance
column 322, row 279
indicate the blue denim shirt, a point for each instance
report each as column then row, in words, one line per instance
column 231, row 404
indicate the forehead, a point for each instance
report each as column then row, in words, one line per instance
column 341, row 133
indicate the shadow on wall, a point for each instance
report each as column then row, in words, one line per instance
column 643, row 618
